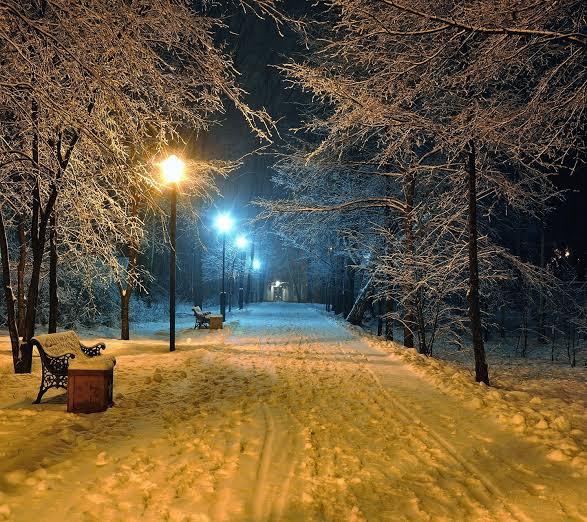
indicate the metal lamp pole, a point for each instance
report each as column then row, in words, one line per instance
column 248, row 292
column 223, row 224
column 241, row 290
column 222, row 292
column 231, row 283
column 172, row 169
column 330, row 287
column 172, row 266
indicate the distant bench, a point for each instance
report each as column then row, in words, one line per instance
column 58, row 349
column 202, row 318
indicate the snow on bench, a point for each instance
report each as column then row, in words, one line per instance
column 56, row 350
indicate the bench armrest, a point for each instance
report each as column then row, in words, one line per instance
column 94, row 350
column 55, row 364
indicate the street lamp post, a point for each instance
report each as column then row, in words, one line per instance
column 222, row 289
column 231, row 285
column 172, row 264
column 231, row 282
column 241, row 290
column 255, row 266
column 248, row 292
column 241, row 243
column 223, row 224
column 172, row 169
column 330, row 284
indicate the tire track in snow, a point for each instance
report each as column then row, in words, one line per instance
column 491, row 488
column 261, row 494
column 276, row 468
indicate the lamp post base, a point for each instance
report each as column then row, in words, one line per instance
column 223, row 305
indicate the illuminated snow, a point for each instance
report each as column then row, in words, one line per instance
column 286, row 414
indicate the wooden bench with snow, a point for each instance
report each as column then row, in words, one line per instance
column 61, row 352
column 202, row 318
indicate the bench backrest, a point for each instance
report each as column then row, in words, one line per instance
column 198, row 312
column 60, row 343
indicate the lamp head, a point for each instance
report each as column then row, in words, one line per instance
column 223, row 223
column 172, row 169
column 242, row 242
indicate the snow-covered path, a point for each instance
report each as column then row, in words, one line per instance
column 287, row 416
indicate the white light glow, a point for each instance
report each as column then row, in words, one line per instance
column 223, row 223
column 172, row 169
column 277, row 283
column 242, row 242
column 256, row 264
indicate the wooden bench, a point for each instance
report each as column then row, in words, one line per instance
column 56, row 350
column 202, row 318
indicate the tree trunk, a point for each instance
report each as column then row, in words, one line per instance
column 348, row 288
column 481, row 369
column 380, row 312
column 39, row 220
column 197, row 278
column 124, row 314
column 388, row 303
column 357, row 312
column 334, row 287
column 541, row 333
column 330, row 283
column 53, row 299
column 20, row 273
column 262, row 280
column 502, row 322
column 152, row 252
column 423, row 341
column 341, row 285
column 42, row 215
column 126, row 291
column 38, row 238
column 249, row 282
column 21, row 357
column 294, row 282
column 33, row 293
column 409, row 312
column 336, row 284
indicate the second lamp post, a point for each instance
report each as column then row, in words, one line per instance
column 223, row 224
column 172, row 169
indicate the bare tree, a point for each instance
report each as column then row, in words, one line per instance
column 87, row 87
column 434, row 95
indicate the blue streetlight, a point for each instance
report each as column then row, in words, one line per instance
column 223, row 224
column 257, row 292
column 242, row 242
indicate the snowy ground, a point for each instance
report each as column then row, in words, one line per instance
column 287, row 414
